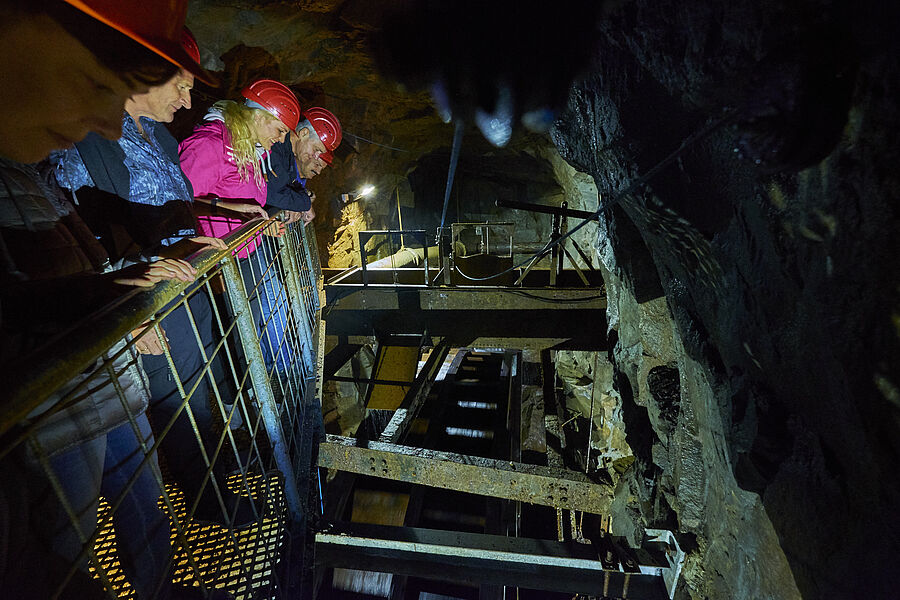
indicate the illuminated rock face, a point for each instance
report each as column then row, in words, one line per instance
column 754, row 308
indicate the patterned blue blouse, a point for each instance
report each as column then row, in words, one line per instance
column 154, row 178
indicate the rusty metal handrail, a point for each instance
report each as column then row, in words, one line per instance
column 34, row 377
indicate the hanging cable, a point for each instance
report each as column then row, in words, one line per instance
column 454, row 158
column 368, row 141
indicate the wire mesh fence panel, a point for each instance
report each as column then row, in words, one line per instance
column 166, row 451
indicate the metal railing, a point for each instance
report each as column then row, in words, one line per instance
column 396, row 249
column 141, row 473
column 466, row 255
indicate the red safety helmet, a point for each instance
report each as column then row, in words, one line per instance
column 327, row 127
column 155, row 24
column 327, row 157
column 189, row 43
column 276, row 98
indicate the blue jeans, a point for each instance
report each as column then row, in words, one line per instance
column 180, row 446
column 103, row 466
column 270, row 307
column 185, row 351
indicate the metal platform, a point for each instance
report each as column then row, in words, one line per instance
column 473, row 316
column 240, row 561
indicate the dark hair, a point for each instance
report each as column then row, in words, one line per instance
column 131, row 61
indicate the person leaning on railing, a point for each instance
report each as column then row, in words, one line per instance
column 301, row 156
column 149, row 197
column 226, row 159
column 67, row 69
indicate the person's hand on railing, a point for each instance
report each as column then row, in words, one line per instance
column 308, row 215
column 252, row 210
column 275, row 229
column 211, row 243
column 149, row 274
column 210, row 205
column 294, row 216
column 150, row 343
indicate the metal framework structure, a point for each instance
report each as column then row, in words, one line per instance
column 513, row 561
column 496, row 555
column 481, row 548
column 534, row 484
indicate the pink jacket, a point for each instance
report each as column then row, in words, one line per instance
column 207, row 161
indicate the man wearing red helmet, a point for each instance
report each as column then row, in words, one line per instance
column 287, row 189
column 67, row 69
column 317, row 137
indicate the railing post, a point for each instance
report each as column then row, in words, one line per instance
column 362, row 255
column 312, row 257
column 292, row 282
column 445, row 244
column 261, row 385
column 425, row 258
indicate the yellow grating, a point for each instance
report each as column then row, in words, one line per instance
column 241, row 563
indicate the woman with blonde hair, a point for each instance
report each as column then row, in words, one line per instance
column 226, row 159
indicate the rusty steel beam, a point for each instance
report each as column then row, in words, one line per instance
column 547, row 210
column 538, row 277
column 408, row 410
column 535, row 484
column 393, row 382
column 498, row 560
column 338, row 357
column 572, row 317
column 472, row 298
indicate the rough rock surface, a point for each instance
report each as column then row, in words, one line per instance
column 589, row 389
column 782, row 281
column 682, row 474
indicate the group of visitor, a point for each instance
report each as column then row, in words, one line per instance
column 97, row 198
